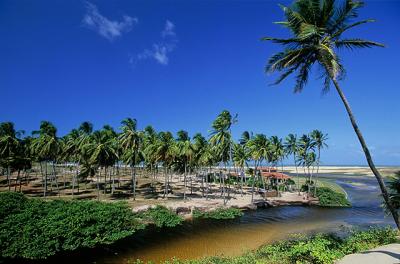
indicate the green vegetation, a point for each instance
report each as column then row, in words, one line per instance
column 328, row 197
column 322, row 183
column 161, row 217
column 394, row 189
column 219, row 213
column 318, row 249
column 36, row 229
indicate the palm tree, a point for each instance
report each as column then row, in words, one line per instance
column 131, row 142
column 150, row 151
column 46, row 148
column 246, row 136
column 186, row 151
column 319, row 139
column 71, row 152
column 8, row 147
column 259, row 149
column 200, row 146
column 317, row 28
column 291, row 149
column 208, row 158
column 103, row 152
column 221, row 140
column 240, row 159
column 166, row 153
column 305, row 147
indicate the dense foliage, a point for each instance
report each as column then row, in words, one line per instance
column 219, row 213
column 394, row 190
column 161, row 217
column 35, row 229
column 328, row 197
column 318, row 249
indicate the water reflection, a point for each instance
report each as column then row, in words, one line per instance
column 206, row 238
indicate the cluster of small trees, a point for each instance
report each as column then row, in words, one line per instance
column 99, row 153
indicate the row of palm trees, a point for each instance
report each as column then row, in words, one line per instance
column 100, row 153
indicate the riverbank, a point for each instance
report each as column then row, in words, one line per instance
column 319, row 248
column 185, row 208
column 348, row 170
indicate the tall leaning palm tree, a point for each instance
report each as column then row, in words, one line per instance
column 317, row 28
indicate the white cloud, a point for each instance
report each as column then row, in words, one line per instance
column 169, row 29
column 160, row 51
column 107, row 28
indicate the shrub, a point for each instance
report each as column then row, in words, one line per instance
column 161, row 217
column 36, row 229
column 328, row 197
column 360, row 241
column 11, row 202
column 323, row 248
column 219, row 213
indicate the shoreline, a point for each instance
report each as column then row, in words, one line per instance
column 186, row 208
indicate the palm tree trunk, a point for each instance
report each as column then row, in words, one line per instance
column 45, row 179
column 98, row 183
column 165, row 181
column 191, row 181
column 297, row 173
column 316, row 175
column 241, row 181
column 134, row 181
column 105, row 180
column 8, row 178
column 73, row 182
column 254, row 180
column 16, row 181
column 55, row 178
column 371, row 164
column 184, row 183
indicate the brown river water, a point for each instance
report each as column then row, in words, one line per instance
column 198, row 239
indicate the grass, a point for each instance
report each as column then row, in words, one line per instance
column 322, row 183
column 218, row 214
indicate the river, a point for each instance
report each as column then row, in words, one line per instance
column 207, row 238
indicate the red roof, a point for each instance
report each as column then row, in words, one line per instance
column 267, row 169
column 275, row 175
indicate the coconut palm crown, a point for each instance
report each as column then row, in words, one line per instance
column 317, row 28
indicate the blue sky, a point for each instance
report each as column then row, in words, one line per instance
column 177, row 64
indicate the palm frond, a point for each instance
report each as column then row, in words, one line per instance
column 347, row 11
column 357, row 43
column 294, row 19
column 302, row 77
column 284, row 75
column 289, row 41
column 345, row 28
column 309, row 31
